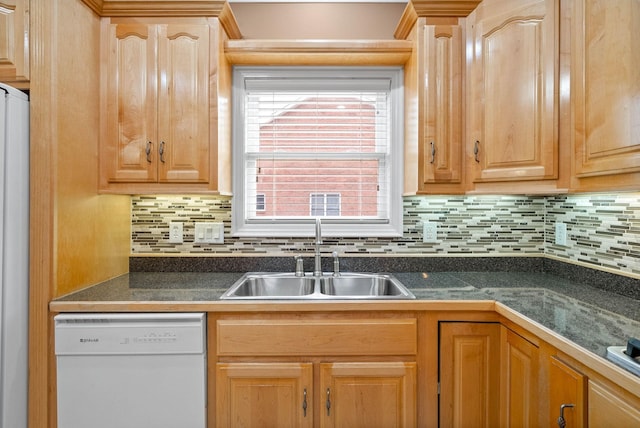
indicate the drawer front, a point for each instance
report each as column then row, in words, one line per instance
column 317, row 337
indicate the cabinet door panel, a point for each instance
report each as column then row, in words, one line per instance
column 131, row 103
column 566, row 386
column 606, row 409
column 520, row 381
column 183, row 103
column 442, row 147
column 14, row 42
column 469, row 374
column 514, row 105
column 368, row 395
column 264, row 395
column 605, row 86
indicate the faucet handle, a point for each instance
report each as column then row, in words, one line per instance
column 336, row 264
column 299, row 266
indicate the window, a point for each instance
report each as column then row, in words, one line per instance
column 325, row 204
column 260, row 205
column 317, row 141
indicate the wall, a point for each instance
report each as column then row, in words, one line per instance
column 603, row 230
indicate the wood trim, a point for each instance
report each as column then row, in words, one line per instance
column 171, row 8
column 41, row 240
column 406, row 23
column 459, row 8
column 94, row 5
column 318, row 52
column 228, row 21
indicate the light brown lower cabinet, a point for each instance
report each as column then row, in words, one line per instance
column 519, row 381
column 368, row 394
column 567, row 394
column 609, row 409
column 281, row 395
column 488, row 376
column 264, row 395
column 374, row 370
column 322, row 371
column 469, row 374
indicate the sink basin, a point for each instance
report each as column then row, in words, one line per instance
column 272, row 285
column 276, row 286
column 364, row 285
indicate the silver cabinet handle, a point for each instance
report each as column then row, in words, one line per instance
column 328, row 402
column 147, row 150
column 476, row 150
column 433, row 152
column 304, row 402
column 161, row 151
column 561, row 421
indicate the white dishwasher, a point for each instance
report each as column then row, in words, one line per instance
column 139, row 370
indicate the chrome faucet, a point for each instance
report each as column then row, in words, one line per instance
column 317, row 271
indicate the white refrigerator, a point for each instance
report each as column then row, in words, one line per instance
column 14, row 256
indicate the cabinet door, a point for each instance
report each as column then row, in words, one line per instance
column 441, row 151
column 368, row 395
column 606, row 409
column 129, row 152
column 605, row 83
column 14, row 42
column 469, row 374
column 183, row 103
column 520, row 374
column 566, row 387
column 512, row 85
column 264, row 395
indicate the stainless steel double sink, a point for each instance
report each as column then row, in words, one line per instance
column 277, row 286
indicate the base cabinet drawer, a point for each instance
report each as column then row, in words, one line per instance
column 263, row 337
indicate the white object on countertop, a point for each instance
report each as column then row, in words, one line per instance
column 131, row 370
column 616, row 354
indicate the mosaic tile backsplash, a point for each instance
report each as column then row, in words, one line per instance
column 602, row 230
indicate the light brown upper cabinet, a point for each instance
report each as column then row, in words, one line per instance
column 512, row 55
column 14, row 43
column 158, row 108
column 605, row 88
column 157, row 102
column 440, row 147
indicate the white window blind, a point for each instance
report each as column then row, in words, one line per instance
column 309, row 134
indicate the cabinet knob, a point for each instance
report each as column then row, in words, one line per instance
column 561, row 421
column 328, row 402
column 304, row 402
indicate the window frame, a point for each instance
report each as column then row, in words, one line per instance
column 302, row 227
column 325, row 204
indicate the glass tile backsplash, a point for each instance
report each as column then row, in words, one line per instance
column 602, row 230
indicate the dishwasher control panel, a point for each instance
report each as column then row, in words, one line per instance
column 130, row 334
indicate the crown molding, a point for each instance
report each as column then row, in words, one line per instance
column 139, row 8
column 169, row 8
column 431, row 9
column 444, row 8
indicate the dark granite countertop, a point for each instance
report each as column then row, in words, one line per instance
column 590, row 317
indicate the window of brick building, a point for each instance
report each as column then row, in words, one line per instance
column 317, row 142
